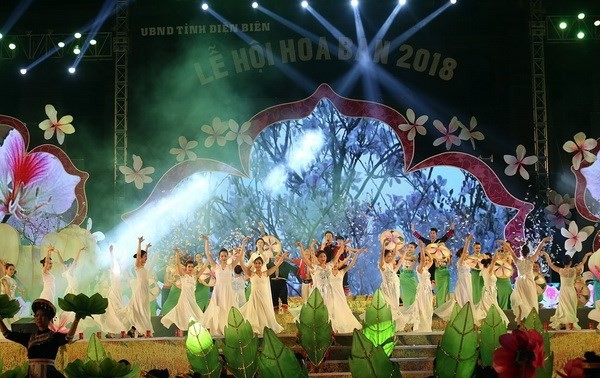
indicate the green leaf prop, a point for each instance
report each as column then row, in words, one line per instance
column 367, row 360
column 95, row 350
column 16, row 372
column 379, row 327
column 457, row 352
column 202, row 352
column 277, row 360
column 8, row 307
column 533, row 321
column 314, row 328
column 492, row 328
column 240, row 346
column 546, row 370
column 82, row 305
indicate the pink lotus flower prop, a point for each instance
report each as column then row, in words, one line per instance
column 392, row 240
column 272, row 246
column 438, row 251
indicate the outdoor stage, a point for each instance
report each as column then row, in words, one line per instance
column 414, row 352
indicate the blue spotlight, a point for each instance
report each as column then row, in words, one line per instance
column 401, row 2
column 354, row 3
column 254, row 4
column 204, row 6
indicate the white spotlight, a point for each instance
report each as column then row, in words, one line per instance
column 401, row 2
column 204, row 6
column 597, row 23
column 76, row 50
column 23, row 71
column 93, row 42
column 12, row 46
column 304, row 4
column 77, row 35
column 581, row 16
column 61, row 44
column 354, row 3
column 1, row 36
column 254, row 5
column 71, row 70
column 452, row 1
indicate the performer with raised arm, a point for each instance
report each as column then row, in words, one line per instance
column 489, row 297
column 70, row 265
column 169, row 280
column 503, row 270
column 342, row 319
column 566, row 311
column 304, row 271
column 433, row 238
column 408, row 279
column 476, row 277
column 524, row 296
column 420, row 313
column 48, row 280
column 137, row 314
column 110, row 321
column 390, row 286
column 9, row 287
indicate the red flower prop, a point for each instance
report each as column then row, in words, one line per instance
column 520, row 354
column 573, row 369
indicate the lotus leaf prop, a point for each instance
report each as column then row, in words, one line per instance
column 492, row 328
column 82, row 305
column 277, row 360
column 546, row 370
column 8, row 307
column 202, row 353
column 457, row 352
column 367, row 360
column 379, row 327
column 240, row 346
column 533, row 321
column 314, row 328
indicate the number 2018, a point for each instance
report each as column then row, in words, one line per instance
column 423, row 59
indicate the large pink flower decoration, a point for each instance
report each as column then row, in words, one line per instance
column 559, row 210
column 518, row 163
column 61, row 126
column 32, row 184
column 520, row 354
column 271, row 247
column 413, row 126
column 582, row 148
column 448, row 134
column 392, row 240
column 468, row 133
column 575, row 238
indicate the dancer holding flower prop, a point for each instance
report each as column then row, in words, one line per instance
column 392, row 240
column 503, row 269
column 443, row 258
column 390, row 285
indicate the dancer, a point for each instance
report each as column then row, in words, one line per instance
column 540, row 281
column 173, row 283
column 186, row 307
column 137, row 313
column 49, row 282
column 223, row 296
column 304, row 271
column 524, row 297
column 258, row 311
column 110, row 321
column 69, row 274
column 489, row 296
column 476, row 277
column 420, row 313
column 239, row 285
column 408, row 279
column 390, row 285
column 9, row 287
column 503, row 269
column 566, row 311
column 442, row 280
column 168, row 281
column 342, row 318
column 205, row 281
column 279, row 287
column 328, row 245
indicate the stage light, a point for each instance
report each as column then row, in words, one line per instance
column 580, row 35
column 76, row 50
column 1, row 36
column 304, row 4
column 61, row 44
column 597, row 23
column 204, row 6
column 354, row 3
column 71, row 70
column 23, row 71
column 77, row 35
column 254, row 4
column 93, row 42
column 562, row 25
column 452, row 1
column 401, row 2
column 581, row 16
column 12, row 46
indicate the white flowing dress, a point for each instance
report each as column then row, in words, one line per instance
column 71, row 281
column 221, row 301
column 137, row 312
column 342, row 318
column 463, row 293
column 566, row 311
column 110, row 321
column 420, row 313
column 186, row 308
column 390, row 288
column 239, row 287
column 49, row 288
column 489, row 297
column 259, row 308
column 524, row 296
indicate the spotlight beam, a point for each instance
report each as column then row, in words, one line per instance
column 108, row 8
column 16, row 15
column 421, row 24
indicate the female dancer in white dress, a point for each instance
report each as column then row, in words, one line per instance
column 524, row 296
column 9, row 287
column 390, row 284
column 463, row 292
column 223, row 296
column 259, row 308
column 137, row 314
column 320, row 271
column 420, row 313
column 566, row 311
column 70, row 266
column 48, row 280
column 186, row 307
column 342, row 318
column 110, row 322
column 489, row 296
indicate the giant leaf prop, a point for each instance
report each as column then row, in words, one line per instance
column 202, row 352
column 240, row 345
column 379, row 327
column 457, row 352
column 533, row 321
column 546, row 370
column 367, row 360
column 314, row 328
column 16, row 372
column 82, row 305
column 492, row 328
column 8, row 307
column 277, row 360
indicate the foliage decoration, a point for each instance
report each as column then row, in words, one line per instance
column 379, row 327
column 314, row 328
column 533, row 321
column 16, row 372
column 82, row 305
column 202, row 352
column 492, row 328
column 8, row 307
column 277, row 360
column 240, row 346
column 368, row 360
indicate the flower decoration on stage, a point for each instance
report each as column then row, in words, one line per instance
column 573, row 369
column 520, row 354
column 467, row 133
column 448, row 134
column 413, row 126
column 185, row 149
column 559, row 210
column 582, row 148
column 575, row 237
column 215, row 133
column 272, row 246
column 438, row 251
column 98, row 235
column 582, row 290
column 392, row 240
column 33, row 183
column 503, row 269
column 549, row 293
column 518, row 163
column 239, row 133
column 61, row 126
column 592, row 177
column 594, row 265
column 137, row 175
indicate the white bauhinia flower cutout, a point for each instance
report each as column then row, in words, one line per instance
column 518, row 163
column 582, row 148
column 216, row 132
column 137, row 175
column 239, row 133
column 414, row 126
column 448, row 134
column 184, row 151
column 467, row 133
column 559, row 210
column 61, row 126
column 575, row 237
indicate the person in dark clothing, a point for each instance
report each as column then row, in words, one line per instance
column 278, row 279
column 43, row 344
column 433, row 238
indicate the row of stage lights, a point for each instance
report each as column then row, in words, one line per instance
column 580, row 34
column 304, row 4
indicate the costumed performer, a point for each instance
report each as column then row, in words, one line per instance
column 110, row 321
column 390, row 285
column 420, row 313
column 48, row 280
column 342, row 318
column 408, row 278
column 503, row 269
column 489, row 296
column 137, row 313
